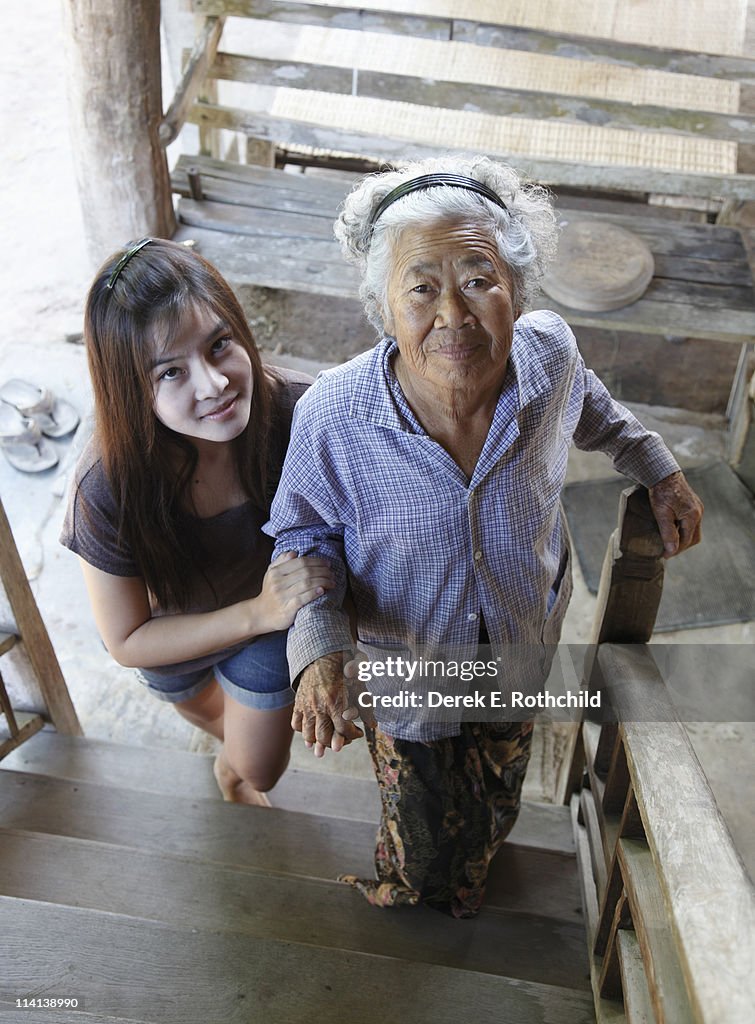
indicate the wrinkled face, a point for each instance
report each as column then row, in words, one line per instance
column 202, row 379
column 450, row 305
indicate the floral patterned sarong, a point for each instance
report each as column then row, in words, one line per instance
column 447, row 806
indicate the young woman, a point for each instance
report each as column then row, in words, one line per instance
column 169, row 499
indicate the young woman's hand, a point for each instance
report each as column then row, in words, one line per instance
column 289, row 584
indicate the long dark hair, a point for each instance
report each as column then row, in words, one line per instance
column 147, row 465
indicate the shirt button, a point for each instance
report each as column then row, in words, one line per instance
column 472, row 617
column 477, row 556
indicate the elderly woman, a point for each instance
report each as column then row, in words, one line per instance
column 428, row 472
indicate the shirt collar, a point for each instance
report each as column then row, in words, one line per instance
column 378, row 399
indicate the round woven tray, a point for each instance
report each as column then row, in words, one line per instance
column 599, row 267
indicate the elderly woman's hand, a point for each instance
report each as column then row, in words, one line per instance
column 678, row 512
column 325, row 703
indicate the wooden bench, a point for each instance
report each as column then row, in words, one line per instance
column 590, row 95
column 271, row 233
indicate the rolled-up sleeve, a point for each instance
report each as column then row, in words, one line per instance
column 304, row 518
column 607, row 426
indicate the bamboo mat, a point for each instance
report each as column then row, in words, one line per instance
column 461, row 129
column 507, row 69
column 704, row 26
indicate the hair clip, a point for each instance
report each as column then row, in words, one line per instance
column 132, row 251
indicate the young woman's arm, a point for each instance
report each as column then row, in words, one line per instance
column 135, row 639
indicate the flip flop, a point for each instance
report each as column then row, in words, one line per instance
column 55, row 416
column 22, row 444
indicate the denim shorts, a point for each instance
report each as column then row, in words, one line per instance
column 256, row 676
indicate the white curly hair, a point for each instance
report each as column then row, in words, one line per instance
column 525, row 232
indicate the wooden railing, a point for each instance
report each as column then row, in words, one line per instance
column 669, row 906
column 43, row 661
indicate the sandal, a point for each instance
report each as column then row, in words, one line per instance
column 55, row 416
column 22, row 444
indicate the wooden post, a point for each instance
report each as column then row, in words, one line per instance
column 115, row 99
column 631, row 584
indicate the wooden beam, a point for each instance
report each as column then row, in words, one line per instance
column 566, row 24
column 503, row 102
column 32, row 631
column 190, row 86
column 631, row 587
column 631, row 580
column 638, row 1005
column 26, row 726
column 113, row 63
column 654, row 933
column 546, row 170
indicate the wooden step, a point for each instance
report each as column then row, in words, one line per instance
column 181, row 774
column 150, row 971
column 522, row 879
column 186, row 893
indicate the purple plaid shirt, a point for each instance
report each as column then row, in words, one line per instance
column 430, row 554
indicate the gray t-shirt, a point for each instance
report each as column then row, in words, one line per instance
column 236, row 552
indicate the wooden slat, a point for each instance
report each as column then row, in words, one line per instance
column 584, row 21
column 289, row 125
column 609, row 982
column 190, row 86
column 188, row 976
column 741, row 69
column 450, row 62
column 617, row 783
column 637, row 1002
column 591, row 733
column 318, row 188
column 606, row 823
column 654, row 934
column 11, row 1014
column 579, row 106
column 706, row 890
column 220, row 190
column 521, row 137
column 7, row 642
column 283, row 843
column 695, row 252
column 421, row 26
column 27, row 725
column 591, row 816
column 180, row 892
column 318, row 268
column 606, row 1011
column 630, row 827
column 708, row 271
column 610, row 898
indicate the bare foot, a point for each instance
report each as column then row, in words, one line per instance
column 233, row 787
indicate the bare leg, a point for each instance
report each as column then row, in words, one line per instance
column 257, row 750
column 255, row 743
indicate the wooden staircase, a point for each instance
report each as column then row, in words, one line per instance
column 129, row 885
column 130, row 892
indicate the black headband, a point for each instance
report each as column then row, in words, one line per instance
column 426, row 181
column 131, row 251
